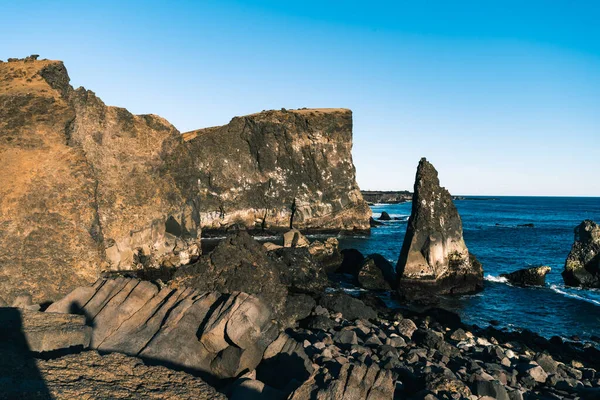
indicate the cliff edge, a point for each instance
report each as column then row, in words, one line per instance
column 266, row 169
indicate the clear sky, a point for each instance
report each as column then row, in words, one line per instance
column 503, row 97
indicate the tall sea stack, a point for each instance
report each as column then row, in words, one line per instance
column 434, row 256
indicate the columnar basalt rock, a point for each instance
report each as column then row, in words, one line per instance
column 582, row 267
column 260, row 170
column 434, row 253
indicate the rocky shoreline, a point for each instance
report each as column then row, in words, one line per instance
column 329, row 345
column 109, row 289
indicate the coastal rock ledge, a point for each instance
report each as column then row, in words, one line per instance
column 582, row 267
column 434, row 256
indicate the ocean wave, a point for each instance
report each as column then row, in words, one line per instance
column 569, row 293
column 492, row 278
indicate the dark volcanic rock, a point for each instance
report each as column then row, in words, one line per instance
column 582, row 267
column 238, row 263
column 299, row 270
column 350, row 307
column 377, row 273
column 535, row 276
column 352, row 262
column 374, row 222
column 282, row 163
column 384, row 216
column 434, row 253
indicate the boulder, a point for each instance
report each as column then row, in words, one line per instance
column 285, row 365
column 327, row 253
column 290, row 165
column 582, row 267
column 377, row 273
column 384, row 216
column 215, row 335
column 238, row 263
column 352, row 262
column 348, row 306
column 535, row 276
column 406, row 327
column 112, row 376
column 298, row 306
column 299, row 270
column 293, row 238
column 354, row 380
column 434, row 256
column 271, row 246
column 39, row 331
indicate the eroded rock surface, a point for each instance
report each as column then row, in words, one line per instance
column 216, row 335
column 89, row 375
column 260, row 169
column 582, row 267
column 84, row 186
column 434, row 253
column 48, row 332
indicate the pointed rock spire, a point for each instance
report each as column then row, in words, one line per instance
column 434, row 251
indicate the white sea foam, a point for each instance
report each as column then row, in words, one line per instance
column 492, row 278
column 569, row 293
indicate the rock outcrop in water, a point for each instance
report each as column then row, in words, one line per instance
column 275, row 169
column 582, row 267
column 434, row 255
column 535, row 276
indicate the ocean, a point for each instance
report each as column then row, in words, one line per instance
column 492, row 233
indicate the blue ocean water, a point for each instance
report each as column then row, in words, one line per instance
column 491, row 232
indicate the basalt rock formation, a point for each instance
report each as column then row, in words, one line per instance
column 238, row 263
column 275, row 169
column 84, row 187
column 535, row 276
column 434, row 254
column 582, row 267
column 214, row 335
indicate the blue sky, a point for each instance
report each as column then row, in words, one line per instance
column 502, row 96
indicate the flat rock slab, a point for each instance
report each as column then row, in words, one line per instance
column 88, row 375
column 39, row 331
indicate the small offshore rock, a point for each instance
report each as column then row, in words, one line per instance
column 535, row 276
column 384, row 216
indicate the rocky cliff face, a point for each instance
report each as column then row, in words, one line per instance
column 261, row 169
column 582, row 267
column 434, row 251
column 83, row 186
